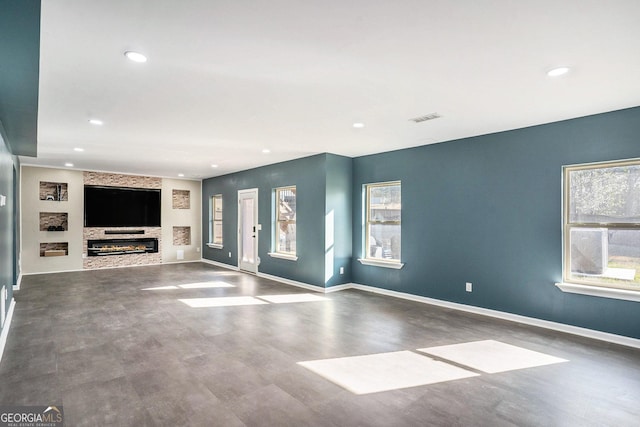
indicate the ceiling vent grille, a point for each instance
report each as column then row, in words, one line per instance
column 431, row 116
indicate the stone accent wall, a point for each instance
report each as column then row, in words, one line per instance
column 57, row 246
column 54, row 218
column 98, row 233
column 181, row 236
column 50, row 189
column 117, row 180
column 181, row 199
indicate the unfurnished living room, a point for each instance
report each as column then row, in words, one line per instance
column 465, row 177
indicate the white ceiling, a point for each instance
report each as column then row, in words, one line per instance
column 226, row 79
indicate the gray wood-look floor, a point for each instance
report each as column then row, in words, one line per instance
column 114, row 354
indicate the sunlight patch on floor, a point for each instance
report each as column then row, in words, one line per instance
column 160, row 288
column 221, row 302
column 385, row 371
column 291, row 298
column 492, row 356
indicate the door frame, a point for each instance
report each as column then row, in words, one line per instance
column 251, row 192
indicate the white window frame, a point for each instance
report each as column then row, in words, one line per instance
column 277, row 252
column 215, row 205
column 367, row 222
column 591, row 285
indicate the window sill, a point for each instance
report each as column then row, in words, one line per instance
column 214, row 245
column 378, row 263
column 599, row 291
column 283, row 256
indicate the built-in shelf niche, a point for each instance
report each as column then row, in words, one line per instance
column 54, row 221
column 181, row 236
column 181, row 199
column 54, row 191
column 54, row 249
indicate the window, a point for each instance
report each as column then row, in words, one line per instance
column 285, row 233
column 382, row 222
column 215, row 221
column 602, row 225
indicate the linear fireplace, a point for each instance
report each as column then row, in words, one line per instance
column 107, row 247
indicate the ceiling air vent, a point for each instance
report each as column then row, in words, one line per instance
column 431, row 116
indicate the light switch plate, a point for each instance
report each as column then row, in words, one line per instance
column 3, row 200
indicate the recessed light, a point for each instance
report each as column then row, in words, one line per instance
column 78, row 149
column 214, row 166
column 69, row 165
column 557, row 72
column 358, row 125
column 266, row 151
column 135, row 56
column 180, row 174
column 96, row 122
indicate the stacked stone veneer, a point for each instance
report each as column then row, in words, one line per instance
column 50, row 189
column 181, row 236
column 57, row 246
column 181, row 199
column 98, row 233
column 55, row 219
column 117, row 180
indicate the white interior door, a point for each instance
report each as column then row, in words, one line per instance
column 248, row 230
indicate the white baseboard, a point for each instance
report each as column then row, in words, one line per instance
column 561, row 327
column 182, row 261
column 338, row 288
column 292, row 282
column 60, row 271
column 16, row 287
column 7, row 325
column 220, row 264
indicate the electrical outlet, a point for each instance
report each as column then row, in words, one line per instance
column 197, row 249
column 341, row 270
column 229, row 254
column 469, row 287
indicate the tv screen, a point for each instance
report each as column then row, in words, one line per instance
column 121, row 207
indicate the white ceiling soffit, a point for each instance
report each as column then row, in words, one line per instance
column 226, row 79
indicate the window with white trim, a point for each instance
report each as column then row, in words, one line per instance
column 285, row 220
column 383, row 221
column 215, row 220
column 602, row 224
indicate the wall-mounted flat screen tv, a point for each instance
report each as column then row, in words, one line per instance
column 121, row 207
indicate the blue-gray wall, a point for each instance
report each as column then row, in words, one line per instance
column 488, row 210
column 8, row 234
column 309, row 175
